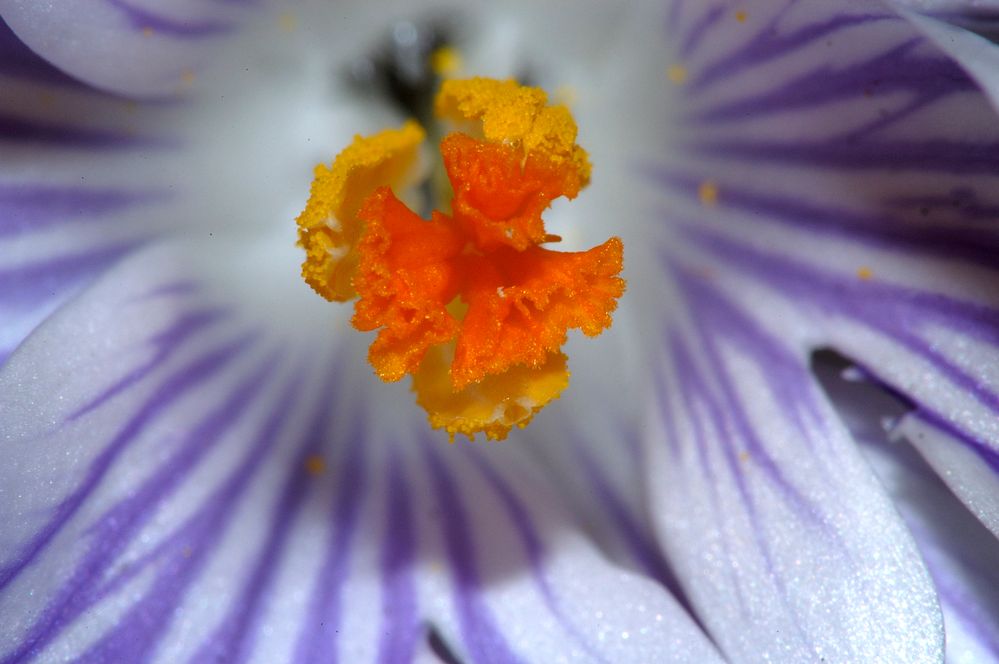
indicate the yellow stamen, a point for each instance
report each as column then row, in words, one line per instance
column 513, row 114
column 493, row 405
column 468, row 302
column 446, row 61
column 328, row 228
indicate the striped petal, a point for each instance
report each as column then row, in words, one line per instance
column 833, row 184
column 133, row 47
column 845, row 168
column 215, row 488
column 960, row 553
column 86, row 178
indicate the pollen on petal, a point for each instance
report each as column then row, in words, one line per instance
column 522, row 303
column 406, row 278
column 493, row 405
column 498, row 195
column 328, row 228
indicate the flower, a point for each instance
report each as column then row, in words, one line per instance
column 199, row 465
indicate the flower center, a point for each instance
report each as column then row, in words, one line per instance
column 468, row 302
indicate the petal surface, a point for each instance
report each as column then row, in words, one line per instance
column 132, row 47
column 833, row 185
column 851, row 191
column 960, row 553
column 217, row 488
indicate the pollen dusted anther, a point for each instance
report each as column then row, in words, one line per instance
column 467, row 302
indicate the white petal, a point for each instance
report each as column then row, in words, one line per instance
column 127, row 46
column 781, row 537
column 853, row 178
column 959, row 552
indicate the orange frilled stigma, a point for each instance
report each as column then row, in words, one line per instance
column 467, row 302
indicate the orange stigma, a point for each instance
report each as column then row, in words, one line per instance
column 468, row 302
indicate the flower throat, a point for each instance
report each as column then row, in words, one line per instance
column 469, row 303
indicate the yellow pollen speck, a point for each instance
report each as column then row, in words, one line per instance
column 864, row 273
column 566, row 95
column 708, row 193
column 187, row 77
column 315, row 465
column 186, row 552
column 677, row 74
column 147, row 31
column 446, row 61
column 744, row 456
column 287, row 22
column 740, row 16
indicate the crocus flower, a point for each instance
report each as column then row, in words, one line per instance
column 199, row 466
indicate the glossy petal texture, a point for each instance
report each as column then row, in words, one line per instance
column 135, row 47
column 218, row 485
column 202, row 492
column 960, row 553
column 834, row 185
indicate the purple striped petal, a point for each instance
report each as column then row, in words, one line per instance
column 833, row 184
column 863, row 204
column 960, row 553
column 86, row 178
column 217, row 488
column 133, row 47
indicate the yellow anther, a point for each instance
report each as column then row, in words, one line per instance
column 494, row 405
column 446, row 61
column 677, row 74
column 513, row 114
column 328, row 228
column 708, row 193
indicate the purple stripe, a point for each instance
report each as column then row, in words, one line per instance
column 879, row 230
column 924, row 79
column 701, row 29
column 19, row 130
column 528, row 532
column 769, row 44
column 318, row 639
column 166, row 343
column 183, row 557
column 691, row 390
column 142, row 19
column 117, row 527
column 33, row 207
column 949, row 157
column 19, row 61
column 633, row 533
column 896, row 311
column 28, row 287
column 233, row 640
column 483, row 641
column 401, row 628
column 170, row 390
